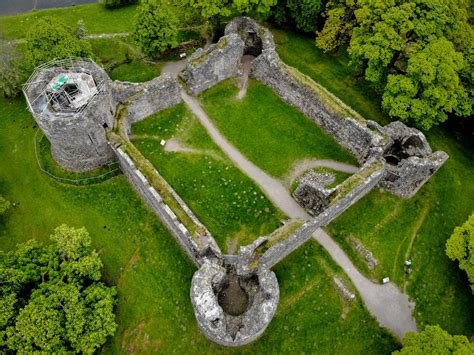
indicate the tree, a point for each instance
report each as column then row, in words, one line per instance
column 434, row 340
column 430, row 89
column 418, row 52
column 155, row 29
column 460, row 247
column 338, row 25
column 4, row 205
column 12, row 72
column 304, row 14
column 49, row 39
column 113, row 4
column 51, row 299
column 216, row 9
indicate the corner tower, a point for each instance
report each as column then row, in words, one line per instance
column 72, row 103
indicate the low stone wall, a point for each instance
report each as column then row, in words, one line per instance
column 156, row 204
column 339, row 204
column 144, row 100
column 206, row 68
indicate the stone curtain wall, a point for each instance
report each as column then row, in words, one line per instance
column 301, row 92
column 156, row 204
column 144, row 100
column 207, row 67
column 375, row 171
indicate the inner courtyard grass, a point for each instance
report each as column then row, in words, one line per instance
column 223, row 198
column 269, row 132
column 153, row 275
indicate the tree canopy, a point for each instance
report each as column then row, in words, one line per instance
column 460, row 247
column 418, row 52
column 156, row 29
column 51, row 299
column 211, row 9
column 435, row 340
column 304, row 14
column 50, row 39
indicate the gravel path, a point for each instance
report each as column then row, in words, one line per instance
column 386, row 303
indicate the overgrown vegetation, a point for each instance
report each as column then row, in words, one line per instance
column 51, row 297
column 267, row 130
column 417, row 52
column 155, row 29
column 460, row 248
column 305, row 15
column 434, row 340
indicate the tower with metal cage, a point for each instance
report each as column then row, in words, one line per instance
column 71, row 100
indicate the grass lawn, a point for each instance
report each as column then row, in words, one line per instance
column 96, row 17
column 224, row 199
column 153, row 275
column 392, row 228
column 268, row 131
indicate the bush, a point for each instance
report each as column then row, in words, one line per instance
column 112, row 4
column 434, row 340
column 460, row 247
column 12, row 73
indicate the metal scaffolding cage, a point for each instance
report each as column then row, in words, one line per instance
column 64, row 86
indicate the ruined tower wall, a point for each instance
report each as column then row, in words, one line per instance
column 78, row 139
column 208, row 67
column 144, row 100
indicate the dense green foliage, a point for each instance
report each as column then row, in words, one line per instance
column 460, row 247
column 434, row 340
column 52, row 39
column 303, row 14
column 4, row 205
column 418, row 52
column 155, row 29
column 268, row 131
column 215, row 9
column 113, row 4
column 398, row 229
column 12, row 75
column 51, row 297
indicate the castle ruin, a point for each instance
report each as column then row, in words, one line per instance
column 87, row 118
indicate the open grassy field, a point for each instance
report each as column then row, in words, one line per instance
column 272, row 134
column 153, row 275
column 392, row 228
column 96, row 17
column 224, row 199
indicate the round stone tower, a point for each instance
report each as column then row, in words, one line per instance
column 72, row 103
